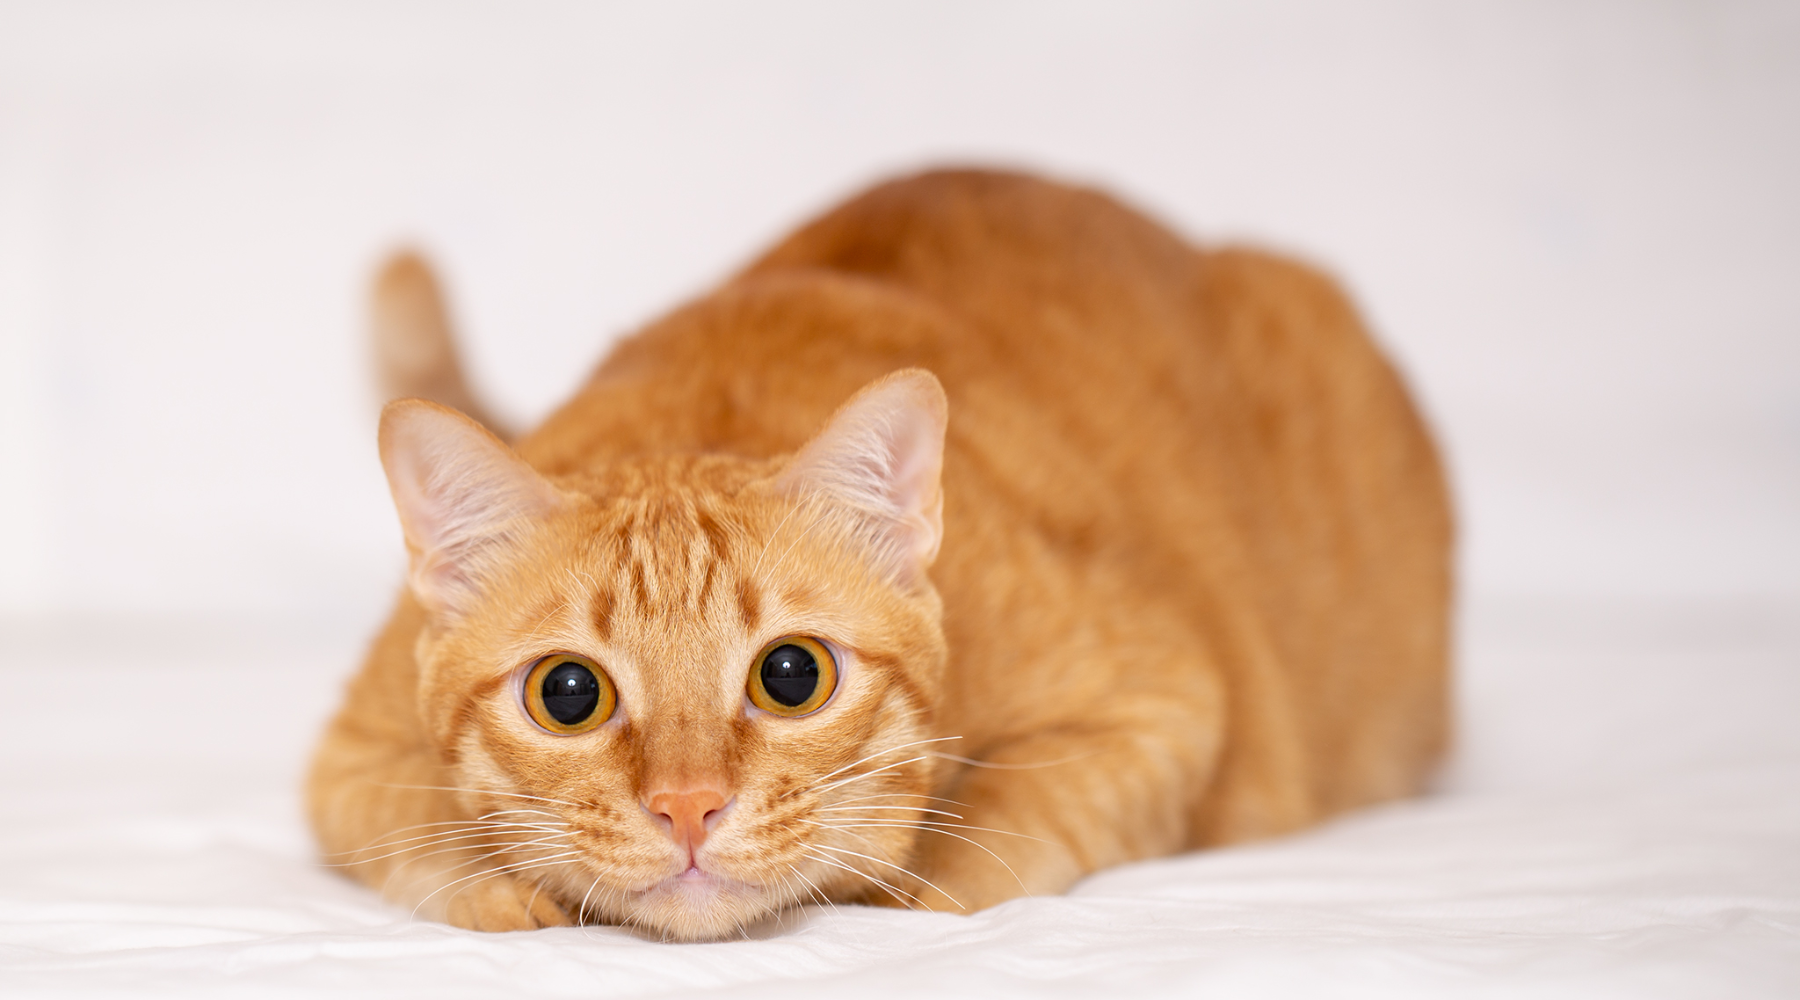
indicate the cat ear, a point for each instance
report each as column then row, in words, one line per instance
column 879, row 459
column 459, row 491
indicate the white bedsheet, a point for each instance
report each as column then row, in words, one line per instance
column 1623, row 820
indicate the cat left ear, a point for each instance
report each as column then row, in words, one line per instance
column 880, row 459
column 459, row 492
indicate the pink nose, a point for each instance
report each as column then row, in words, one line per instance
column 690, row 812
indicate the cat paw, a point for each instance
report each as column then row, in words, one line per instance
column 504, row 903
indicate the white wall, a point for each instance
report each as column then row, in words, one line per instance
column 1576, row 223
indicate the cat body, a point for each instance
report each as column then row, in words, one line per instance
column 1114, row 548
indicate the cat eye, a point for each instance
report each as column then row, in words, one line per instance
column 568, row 694
column 793, row 676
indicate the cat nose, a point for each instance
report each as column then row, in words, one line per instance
column 692, row 813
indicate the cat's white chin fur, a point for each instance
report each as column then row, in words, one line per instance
column 459, row 490
column 699, row 905
column 878, row 462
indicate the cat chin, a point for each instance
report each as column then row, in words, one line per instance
column 699, row 906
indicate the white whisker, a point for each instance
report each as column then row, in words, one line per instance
column 484, row 791
column 893, row 795
column 924, row 824
column 880, row 753
column 480, row 877
column 814, row 889
column 891, row 890
column 938, row 812
column 890, row 864
column 972, row 762
column 528, row 812
column 470, row 860
column 477, row 854
column 473, row 824
column 933, row 828
column 585, row 896
column 461, row 829
column 475, row 838
column 869, row 774
column 490, row 873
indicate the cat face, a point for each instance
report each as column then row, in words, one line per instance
column 699, row 689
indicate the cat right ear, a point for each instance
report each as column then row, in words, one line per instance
column 459, row 492
column 879, row 460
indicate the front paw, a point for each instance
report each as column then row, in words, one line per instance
column 504, row 903
column 964, row 877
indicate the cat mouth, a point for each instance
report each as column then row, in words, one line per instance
column 699, row 889
column 696, row 904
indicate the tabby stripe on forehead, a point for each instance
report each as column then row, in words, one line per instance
column 706, row 584
column 749, row 602
column 714, row 532
column 717, row 551
column 602, row 614
column 640, row 588
column 714, row 550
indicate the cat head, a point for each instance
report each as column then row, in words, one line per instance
column 697, row 686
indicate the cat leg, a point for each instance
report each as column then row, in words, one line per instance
column 1040, row 811
column 380, row 814
column 380, row 808
column 479, row 895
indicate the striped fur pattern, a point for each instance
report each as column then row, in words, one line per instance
column 1125, row 548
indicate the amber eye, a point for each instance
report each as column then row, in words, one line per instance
column 792, row 676
column 568, row 694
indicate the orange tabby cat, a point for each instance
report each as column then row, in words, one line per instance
column 980, row 535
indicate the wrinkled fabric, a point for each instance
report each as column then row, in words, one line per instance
column 1624, row 820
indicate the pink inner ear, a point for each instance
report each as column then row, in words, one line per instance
column 880, row 458
column 459, row 491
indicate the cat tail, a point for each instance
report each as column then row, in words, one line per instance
column 415, row 348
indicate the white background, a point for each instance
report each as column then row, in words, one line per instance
column 1575, row 224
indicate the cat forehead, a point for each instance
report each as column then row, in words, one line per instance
column 666, row 561
column 673, row 552
column 662, row 481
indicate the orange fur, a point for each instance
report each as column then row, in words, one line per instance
column 1191, row 584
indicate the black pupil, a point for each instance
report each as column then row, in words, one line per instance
column 790, row 675
column 571, row 692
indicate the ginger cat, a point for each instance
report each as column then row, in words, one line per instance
column 981, row 535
